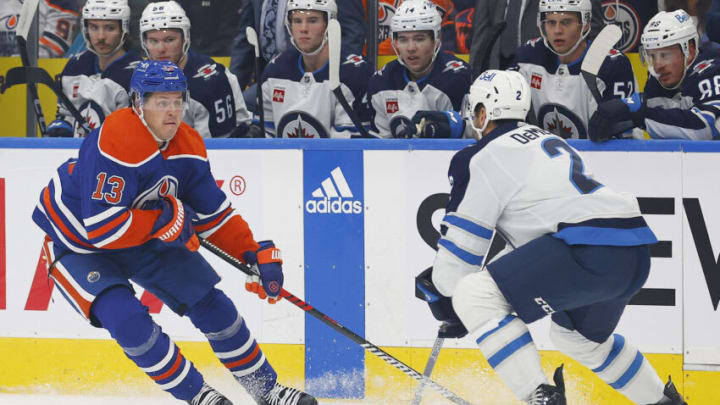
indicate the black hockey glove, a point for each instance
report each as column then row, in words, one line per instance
column 438, row 124
column 60, row 129
column 440, row 306
column 616, row 116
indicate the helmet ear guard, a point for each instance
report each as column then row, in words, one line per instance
column 504, row 94
column 106, row 10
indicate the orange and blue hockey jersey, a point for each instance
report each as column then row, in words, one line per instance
column 99, row 201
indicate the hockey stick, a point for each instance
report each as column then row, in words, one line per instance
column 27, row 14
column 594, row 58
column 483, row 64
column 32, row 75
column 339, row 328
column 334, row 34
column 255, row 42
column 428, row 369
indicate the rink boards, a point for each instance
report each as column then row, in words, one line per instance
column 356, row 221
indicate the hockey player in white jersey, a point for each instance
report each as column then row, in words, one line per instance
column 57, row 21
column 297, row 99
column 577, row 250
column 682, row 95
column 561, row 100
column 97, row 80
column 423, row 83
column 216, row 107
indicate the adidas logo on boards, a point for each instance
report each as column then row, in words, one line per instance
column 333, row 196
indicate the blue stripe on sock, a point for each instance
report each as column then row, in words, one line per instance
column 618, row 344
column 630, row 372
column 508, row 350
column 502, row 323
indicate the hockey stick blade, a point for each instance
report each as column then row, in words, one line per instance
column 32, row 75
column 334, row 43
column 255, row 42
column 595, row 56
column 252, row 39
column 338, row 327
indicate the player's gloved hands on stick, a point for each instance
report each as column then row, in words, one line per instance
column 268, row 262
column 440, row 306
column 438, row 124
column 174, row 225
column 606, row 122
column 60, row 129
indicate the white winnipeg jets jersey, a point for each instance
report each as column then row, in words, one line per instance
column 95, row 94
column 216, row 105
column 300, row 104
column 394, row 99
column 561, row 100
column 57, row 22
column 515, row 181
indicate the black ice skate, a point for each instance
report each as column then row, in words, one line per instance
column 550, row 394
column 282, row 395
column 208, row 396
column 672, row 397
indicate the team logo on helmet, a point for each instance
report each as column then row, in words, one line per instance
column 206, row 71
column 167, row 185
column 299, row 124
column 627, row 18
column 561, row 121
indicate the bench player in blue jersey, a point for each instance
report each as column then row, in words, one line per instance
column 128, row 208
column 216, row 108
column 577, row 250
column 681, row 99
column 97, row 80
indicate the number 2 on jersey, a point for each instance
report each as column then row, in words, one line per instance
column 585, row 185
column 115, row 194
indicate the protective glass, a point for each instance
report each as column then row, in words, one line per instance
column 165, row 102
column 661, row 56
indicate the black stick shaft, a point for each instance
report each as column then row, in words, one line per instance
column 340, row 328
column 31, row 87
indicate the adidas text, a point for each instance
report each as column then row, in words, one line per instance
column 333, row 206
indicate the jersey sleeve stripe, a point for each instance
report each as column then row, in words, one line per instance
column 58, row 51
column 468, row 226
column 210, row 231
column 710, row 119
column 461, row 254
column 202, row 217
column 56, row 233
column 202, row 227
column 110, row 226
column 57, row 221
column 102, row 216
column 56, row 187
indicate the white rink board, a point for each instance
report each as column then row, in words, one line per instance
column 396, row 182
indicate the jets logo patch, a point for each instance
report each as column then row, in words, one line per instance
column 206, row 71
column 702, row 66
column 454, row 66
column 355, row 60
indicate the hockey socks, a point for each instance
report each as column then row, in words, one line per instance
column 615, row 361
column 144, row 342
column 510, row 350
column 233, row 344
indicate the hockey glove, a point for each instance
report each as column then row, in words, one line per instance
column 174, row 225
column 440, row 306
column 268, row 262
column 438, row 124
column 613, row 117
column 60, row 129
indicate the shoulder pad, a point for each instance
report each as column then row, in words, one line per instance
column 186, row 142
column 124, row 139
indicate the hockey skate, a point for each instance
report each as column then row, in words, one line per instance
column 550, row 394
column 282, row 395
column 209, row 396
column 672, row 397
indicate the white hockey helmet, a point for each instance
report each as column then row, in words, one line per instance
column 106, row 10
column 165, row 15
column 505, row 94
column 326, row 6
column 666, row 29
column 583, row 7
column 417, row 15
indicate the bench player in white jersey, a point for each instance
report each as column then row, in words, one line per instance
column 561, row 100
column 216, row 108
column 57, row 20
column 577, row 250
column 297, row 99
column 97, row 80
column 682, row 95
column 422, row 83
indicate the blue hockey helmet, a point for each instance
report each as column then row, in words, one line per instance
column 153, row 76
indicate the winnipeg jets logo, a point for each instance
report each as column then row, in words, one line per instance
column 702, row 66
column 206, row 71
column 561, row 121
column 454, row 66
column 353, row 59
column 132, row 65
column 299, row 124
